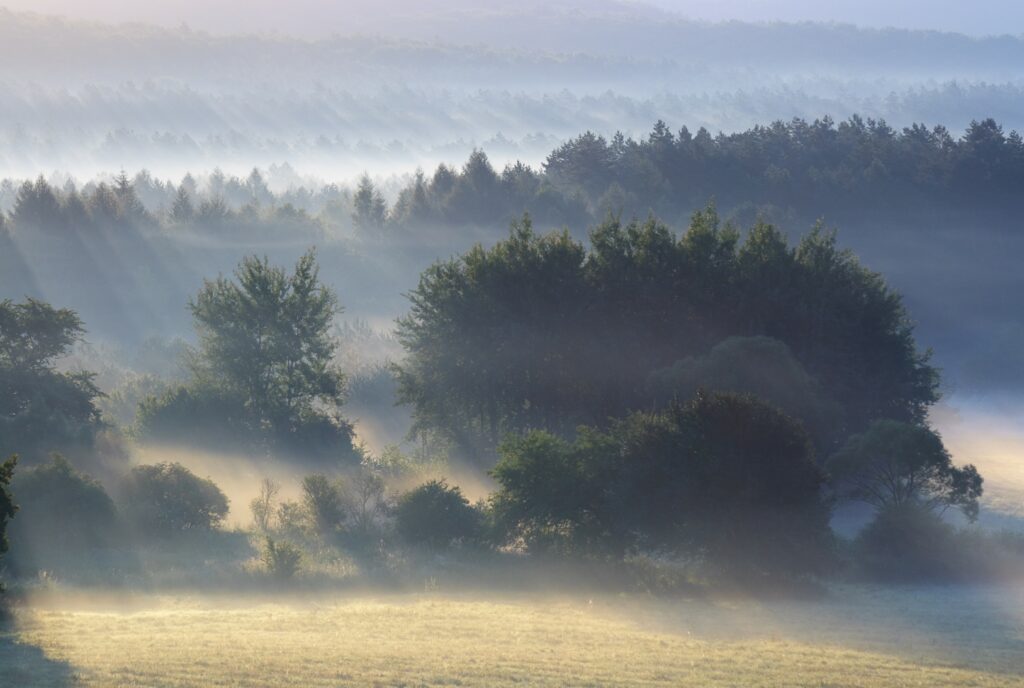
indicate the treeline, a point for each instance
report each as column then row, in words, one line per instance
column 855, row 170
column 691, row 397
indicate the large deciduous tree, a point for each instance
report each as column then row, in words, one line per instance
column 893, row 464
column 43, row 409
column 264, row 369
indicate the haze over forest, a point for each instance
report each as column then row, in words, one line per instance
column 676, row 297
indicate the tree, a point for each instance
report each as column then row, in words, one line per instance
column 182, row 210
column 167, row 499
column 370, row 208
column 263, row 505
column 42, row 409
column 7, row 506
column 37, row 206
column 265, row 357
column 323, row 501
column 282, row 559
column 892, row 464
column 65, row 515
column 436, row 515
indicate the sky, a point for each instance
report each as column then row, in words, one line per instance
column 317, row 18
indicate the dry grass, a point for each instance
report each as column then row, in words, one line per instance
column 429, row 639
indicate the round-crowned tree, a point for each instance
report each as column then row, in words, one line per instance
column 436, row 514
column 64, row 514
column 167, row 498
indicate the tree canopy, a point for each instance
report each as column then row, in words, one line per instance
column 167, row 498
column 724, row 476
column 893, row 464
column 43, row 409
column 542, row 332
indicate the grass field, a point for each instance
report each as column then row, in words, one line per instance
column 852, row 637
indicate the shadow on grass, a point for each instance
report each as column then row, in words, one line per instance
column 26, row 666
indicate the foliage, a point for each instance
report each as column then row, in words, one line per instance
column 436, row 514
column 323, row 501
column 41, row 408
column 262, row 505
column 908, row 542
column 892, row 464
column 365, row 502
column 724, row 477
column 759, row 366
column 64, row 515
column 263, row 373
column 370, row 208
column 282, row 559
column 7, row 506
column 167, row 498
column 538, row 332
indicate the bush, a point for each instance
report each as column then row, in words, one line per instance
column 322, row 499
column 436, row 515
column 167, row 498
column 64, row 514
column 910, row 542
column 281, row 558
column 726, row 478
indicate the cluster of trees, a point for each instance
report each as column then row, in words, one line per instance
column 226, row 204
column 67, row 521
column 542, row 332
column 701, row 394
column 853, row 168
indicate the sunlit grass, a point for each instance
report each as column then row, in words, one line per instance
column 428, row 639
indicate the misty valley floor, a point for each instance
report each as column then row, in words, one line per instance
column 853, row 637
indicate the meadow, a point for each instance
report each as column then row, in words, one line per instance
column 850, row 636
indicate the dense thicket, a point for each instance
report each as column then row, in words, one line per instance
column 165, row 499
column 725, row 477
column 65, row 517
column 543, row 332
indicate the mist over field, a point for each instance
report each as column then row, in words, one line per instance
column 610, row 342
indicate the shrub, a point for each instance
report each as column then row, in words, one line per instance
column 724, row 477
column 281, row 558
column 322, row 499
column 64, row 514
column 907, row 542
column 167, row 498
column 435, row 515
column 292, row 519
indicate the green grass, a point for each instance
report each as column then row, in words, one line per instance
column 854, row 637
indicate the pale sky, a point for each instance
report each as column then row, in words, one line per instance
column 315, row 18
